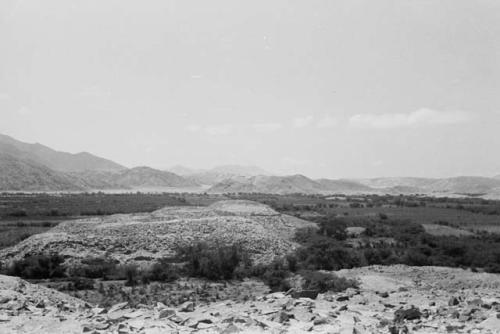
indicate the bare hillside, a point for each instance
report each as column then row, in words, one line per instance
column 26, row 175
column 56, row 160
column 269, row 184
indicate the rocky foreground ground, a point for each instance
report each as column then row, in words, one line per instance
column 394, row 299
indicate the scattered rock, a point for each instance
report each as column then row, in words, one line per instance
column 117, row 307
column 231, row 329
column 165, row 313
column 187, row 307
column 312, row 294
column 342, row 298
column 412, row 313
column 453, row 301
column 384, row 294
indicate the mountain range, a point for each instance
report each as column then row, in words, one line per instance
column 55, row 160
column 218, row 173
column 463, row 185
column 35, row 167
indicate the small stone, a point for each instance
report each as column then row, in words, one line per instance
column 117, row 307
column 187, row 307
column 412, row 313
column 4, row 300
column 87, row 328
column 320, row 321
column 312, row 294
column 453, row 301
column 176, row 319
column 98, row 310
column 384, row 294
column 281, row 317
column 231, row 329
column 343, row 308
column 134, row 314
column 165, row 313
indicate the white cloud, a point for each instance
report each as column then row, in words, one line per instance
column 4, row 96
column 326, row 122
column 267, row 127
column 217, row 130
column 422, row 116
column 300, row 122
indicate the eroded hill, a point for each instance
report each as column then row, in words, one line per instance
column 259, row 230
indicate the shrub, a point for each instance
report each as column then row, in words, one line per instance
column 323, row 282
column 214, row 263
column 81, row 283
column 275, row 275
column 327, row 255
column 415, row 258
column 38, row 267
column 19, row 213
column 333, row 228
column 131, row 274
column 95, row 267
column 305, row 234
column 162, row 271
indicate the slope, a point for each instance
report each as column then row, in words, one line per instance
column 24, row 175
column 58, row 161
column 269, row 184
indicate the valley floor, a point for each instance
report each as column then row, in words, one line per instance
column 390, row 299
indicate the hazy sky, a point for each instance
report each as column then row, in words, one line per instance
column 325, row 88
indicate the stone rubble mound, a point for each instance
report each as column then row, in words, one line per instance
column 395, row 299
column 260, row 230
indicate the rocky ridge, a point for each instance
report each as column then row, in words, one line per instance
column 261, row 231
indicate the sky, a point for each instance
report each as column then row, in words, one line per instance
column 337, row 89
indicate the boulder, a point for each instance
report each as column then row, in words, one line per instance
column 187, row 307
column 342, row 298
column 165, row 313
column 312, row 294
column 412, row 313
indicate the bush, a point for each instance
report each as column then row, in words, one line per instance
column 214, row 263
column 333, row 228
column 131, row 273
column 327, row 255
column 19, row 213
column 161, row 271
column 38, row 267
column 303, row 235
column 81, row 283
column 323, row 282
column 95, row 267
column 274, row 275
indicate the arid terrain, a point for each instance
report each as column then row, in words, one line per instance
column 231, row 167
column 384, row 299
column 394, row 299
